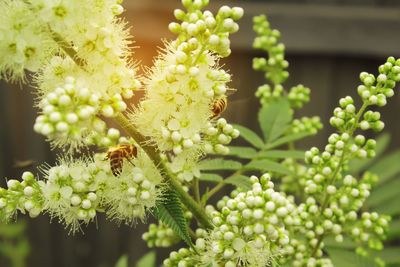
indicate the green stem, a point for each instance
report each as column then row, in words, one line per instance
column 219, row 186
column 68, row 49
column 196, row 190
column 151, row 151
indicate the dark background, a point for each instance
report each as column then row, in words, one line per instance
column 329, row 42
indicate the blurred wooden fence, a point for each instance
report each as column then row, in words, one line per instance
column 328, row 44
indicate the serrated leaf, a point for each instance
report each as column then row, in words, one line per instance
column 242, row 152
column 274, row 119
column 287, row 139
column 359, row 165
column 281, row 154
column 250, row 136
column 383, row 193
column 169, row 211
column 148, row 260
column 267, row 165
column 348, row 258
column 122, row 261
column 387, row 167
column 219, row 164
column 239, row 181
column 211, row 177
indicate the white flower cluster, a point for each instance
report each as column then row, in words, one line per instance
column 76, row 189
column 250, row 229
column 184, row 166
column 61, row 39
column 134, row 191
column 71, row 191
column 99, row 37
column 186, row 82
column 69, row 115
column 24, row 41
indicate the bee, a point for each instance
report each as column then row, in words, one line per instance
column 117, row 154
column 218, row 106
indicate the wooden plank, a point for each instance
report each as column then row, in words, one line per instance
column 312, row 28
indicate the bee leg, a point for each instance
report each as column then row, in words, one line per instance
column 129, row 160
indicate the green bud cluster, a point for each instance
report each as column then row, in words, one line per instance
column 293, row 184
column 218, row 136
column 266, row 94
column 24, row 197
column 334, row 198
column 160, row 235
column 249, row 229
column 374, row 92
column 298, row 96
column 306, row 125
column 202, row 28
column 268, row 40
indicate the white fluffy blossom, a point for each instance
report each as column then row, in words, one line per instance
column 24, row 42
column 135, row 191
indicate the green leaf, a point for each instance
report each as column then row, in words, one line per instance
column 389, row 190
column 394, row 230
column 219, row 164
column 287, row 139
column 274, row 119
column 211, row 177
column 239, row 181
column 387, row 167
column 122, row 261
column 250, row 136
column 170, row 212
column 281, row 154
column 148, row 260
column 268, row 165
column 347, row 243
column 359, row 165
column 391, row 255
column 242, row 152
column 390, row 207
column 348, row 258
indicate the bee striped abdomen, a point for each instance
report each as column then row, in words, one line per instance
column 118, row 154
column 218, row 107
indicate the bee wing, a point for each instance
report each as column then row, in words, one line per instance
column 24, row 163
column 230, row 91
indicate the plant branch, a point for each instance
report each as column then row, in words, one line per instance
column 196, row 190
column 153, row 154
column 144, row 143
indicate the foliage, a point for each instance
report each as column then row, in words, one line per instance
column 14, row 246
